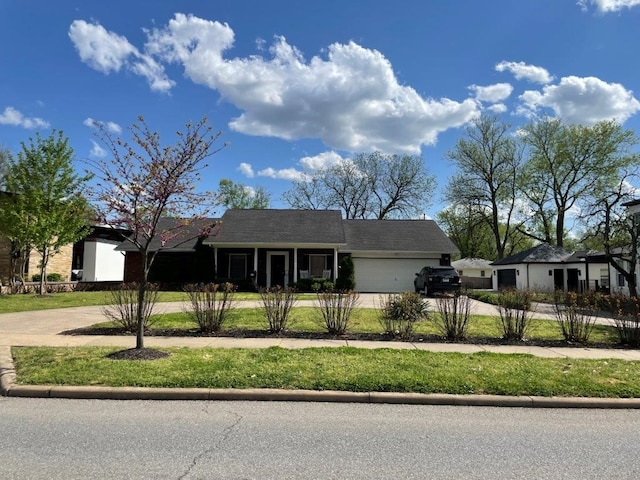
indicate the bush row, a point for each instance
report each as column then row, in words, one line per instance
column 210, row 304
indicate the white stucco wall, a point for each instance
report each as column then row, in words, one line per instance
column 102, row 263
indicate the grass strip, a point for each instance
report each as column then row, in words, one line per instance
column 344, row 368
column 367, row 320
column 30, row 301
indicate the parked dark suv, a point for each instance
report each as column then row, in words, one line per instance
column 437, row 279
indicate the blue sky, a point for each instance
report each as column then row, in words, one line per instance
column 297, row 85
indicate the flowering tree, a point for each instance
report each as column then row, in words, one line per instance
column 145, row 182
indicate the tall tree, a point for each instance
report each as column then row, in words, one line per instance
column 45, row 209
column 145, row 182
column 468, row 230
column 611, row 228
column 488, row 161
column 367, row 186
column 236, row 195
column 568, row 166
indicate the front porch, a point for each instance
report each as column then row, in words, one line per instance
column 271, row 266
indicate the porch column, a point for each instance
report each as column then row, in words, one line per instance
column 335, row 264
column 295, row 264
column 255, row 261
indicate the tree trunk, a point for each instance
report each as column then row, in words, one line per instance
column 43, row 270
column 140, row 315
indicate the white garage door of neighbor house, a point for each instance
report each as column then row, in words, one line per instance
column 387, row 275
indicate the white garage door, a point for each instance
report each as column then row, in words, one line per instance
column 387, row 275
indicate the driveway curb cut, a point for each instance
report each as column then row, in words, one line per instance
column 10, row 389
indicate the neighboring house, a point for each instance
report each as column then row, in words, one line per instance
column 95, row 257
column 59, row 263
column 474, row 272
column 548, row 268
column 279, row 247
column 618, row 283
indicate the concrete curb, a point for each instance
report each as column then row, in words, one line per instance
column 9, row 388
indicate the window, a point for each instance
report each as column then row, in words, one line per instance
column 317, row 263
column 604, row 277
column 461, row 272
column 620, row 280
column 482, row 273
column 237, row 265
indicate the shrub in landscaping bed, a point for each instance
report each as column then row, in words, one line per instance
column 277, row 303
column 399, row 313
column 346, row 278
column 123, row 305
column 314, row 285
column 626, row 315
column 210, row 304
column 575, row 314
column 515, row 318
column 453, row 316
column 336, row 308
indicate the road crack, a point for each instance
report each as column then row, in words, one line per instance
column 226, row 433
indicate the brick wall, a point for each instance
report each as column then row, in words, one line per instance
column 59, row 263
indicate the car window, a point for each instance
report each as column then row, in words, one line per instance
column 445, row 272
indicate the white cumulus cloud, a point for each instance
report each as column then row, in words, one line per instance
column 522, row 71
column 492, row 93
column 349, row 97
column 321, row 161
column 14, row 117
column 112, row 127
column 246, row 169
column 606, row 6
column 109, row 52
column 283, row 174
column 97, row 151
column 583, row 100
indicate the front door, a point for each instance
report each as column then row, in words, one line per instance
column 277, row 269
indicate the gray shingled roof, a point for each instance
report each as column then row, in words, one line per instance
column 279, row 227
column 469, row 262
column 543, row 253
column 186, row 239
column 396, row 235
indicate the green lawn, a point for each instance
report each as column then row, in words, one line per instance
column 30, row 301
column 366, row 320
column 347, row 369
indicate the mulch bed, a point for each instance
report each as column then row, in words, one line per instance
column 138, row 354
column 379, row 337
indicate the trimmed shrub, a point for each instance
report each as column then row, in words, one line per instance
column 51, row 277
column 314, row 285
column 453, row 316
column 575, row 314
column 626, row 316
column 399, row 313
column 336, row 308
column 346, row 279
column 277, row 303
column 515, row 318
column 210, row 304
column 123, row 305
